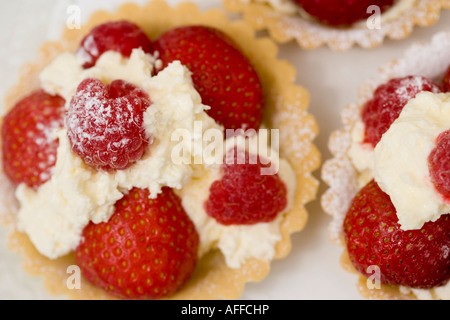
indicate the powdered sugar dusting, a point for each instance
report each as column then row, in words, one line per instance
column 297, row 130
column 91, row 101
column 48, row 139
column 105, row 130
column 445, row 251
column 301, row 145
column 88, row 50
column 416, row 83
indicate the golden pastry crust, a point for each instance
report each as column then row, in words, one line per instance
column 339, row 173
column 311, row 35
column 286, row 109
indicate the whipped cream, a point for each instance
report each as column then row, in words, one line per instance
column 236, row 242
column 361, row 154
column 65, row 73
column 441, row 293
column 55, row 214
column 401, row 159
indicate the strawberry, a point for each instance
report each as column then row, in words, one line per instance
column 119, row 36
column 28, row 147
column 244, row 195
column 439, row 165
column 147, row 249
column 105, row 124
column 413, row 258
column 387, row 103
column 223, row 76
column 342, row 12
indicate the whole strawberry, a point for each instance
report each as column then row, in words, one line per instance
column 28, row 145
column 243, row 195
column 119, row 36
column 147, row 250
column 342, row 12
column 388, row 101
column 223, row 76
column 413, row 258
column 105, row 124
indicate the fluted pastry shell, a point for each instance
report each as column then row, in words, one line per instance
column 310, row 34
column 286, row 109
column 429, row 60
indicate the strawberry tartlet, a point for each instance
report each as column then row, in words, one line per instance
column 338, row 24
column 388, row 179
column 147, row 155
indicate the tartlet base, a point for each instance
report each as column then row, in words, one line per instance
column 286, row 109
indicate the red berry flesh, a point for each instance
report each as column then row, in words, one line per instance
column 387, row 103
column 28, row 147
column 105, row 124
column 342, row 12
column 244, row 196
column 446, row 81
column 119, row 36
column 414, row 258
column 439, row 165
column 147, row 250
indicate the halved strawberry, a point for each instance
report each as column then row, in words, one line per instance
column 119, row 36
column 28, row 147
column 244, row 195
column 224, row 77
column 413, row 258
column 147, row 250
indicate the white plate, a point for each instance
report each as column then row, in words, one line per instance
column 312, row 270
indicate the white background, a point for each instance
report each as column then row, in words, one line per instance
column 312, row 270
